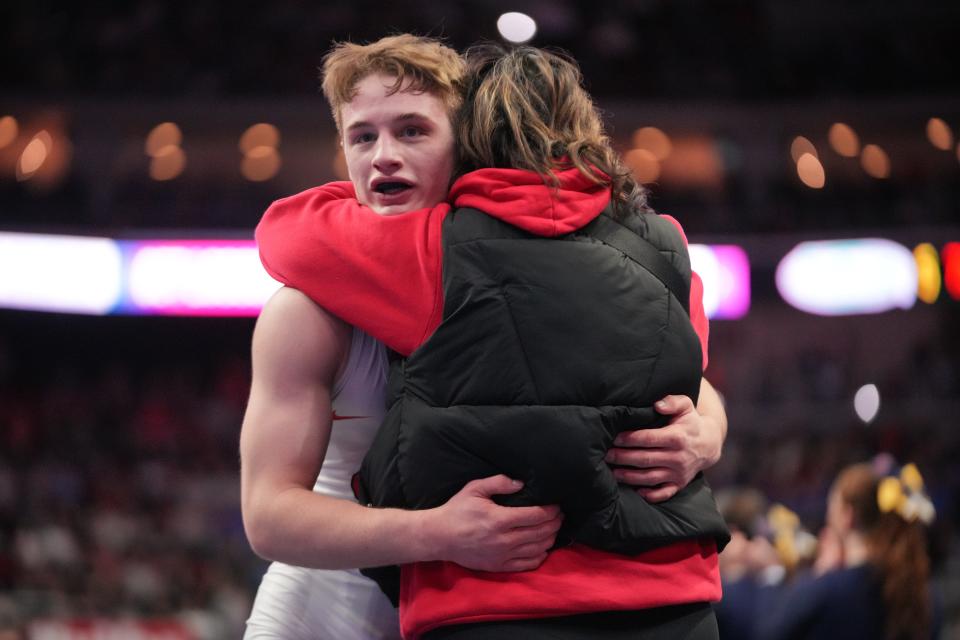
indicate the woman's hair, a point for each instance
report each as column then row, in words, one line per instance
column 525, row 108
column 897, row 547
column 416, row 63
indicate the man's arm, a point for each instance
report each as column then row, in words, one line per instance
column 666, row 460
column 297, row 350
column 378, row 273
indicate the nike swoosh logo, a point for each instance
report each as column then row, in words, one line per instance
column 336, row 417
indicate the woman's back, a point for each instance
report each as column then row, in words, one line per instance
column 845, row 603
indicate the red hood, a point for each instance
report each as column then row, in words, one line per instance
column 520, row 198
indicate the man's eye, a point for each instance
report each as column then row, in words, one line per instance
column 363, row 138
column 411, row 132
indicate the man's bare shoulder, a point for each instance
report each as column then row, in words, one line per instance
column 295, row 334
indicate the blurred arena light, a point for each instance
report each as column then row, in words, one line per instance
column 222, row 277
column 951, row 269
column 45, row 160
column 516, row 27
column 168, row 163
column 928, row 272
column 695, row 161
column 68, row 274
column 810, row 171
column 261, row 160
column 195, row 278
column 261, row 163
column 844, row 140
column 34, row 155
column 866, row 402
column 167, row 159
column 653, row 140
column 800, row 146
column 875, row 162
column 938, row 133
column 725, row 271
column 262, row 134
column 848, row 277
column 163, row 135
column 643, row 164
column 9, row 129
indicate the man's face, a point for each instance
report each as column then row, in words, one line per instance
column 399, row 147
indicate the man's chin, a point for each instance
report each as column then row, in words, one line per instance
column 391, row 210
column 397, row 208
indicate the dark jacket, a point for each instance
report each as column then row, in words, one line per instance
column 548, row 348
column 528, row 355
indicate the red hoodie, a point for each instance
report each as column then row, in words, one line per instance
column 383, row 274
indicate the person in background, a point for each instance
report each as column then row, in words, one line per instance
column 872, row 572
column 768, row 548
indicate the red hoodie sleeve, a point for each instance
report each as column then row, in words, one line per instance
column 379, row 273
column 697, row 314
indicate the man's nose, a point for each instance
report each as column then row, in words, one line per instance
column 386, row 155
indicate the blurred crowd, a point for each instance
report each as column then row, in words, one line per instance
column 128, row 201
column 866, row 574
column 119, row 497
column 195, row 62
column 119, row 486
column 735, row 49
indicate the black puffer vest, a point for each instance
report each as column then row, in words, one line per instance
column 549, row 347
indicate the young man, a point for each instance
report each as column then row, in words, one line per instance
column 396, row 131
column 317, row 398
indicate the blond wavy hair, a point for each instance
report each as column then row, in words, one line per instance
column 418, row 63
column 526, row 108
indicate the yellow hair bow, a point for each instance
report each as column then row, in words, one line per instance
column 790, row 540
column 903, row 494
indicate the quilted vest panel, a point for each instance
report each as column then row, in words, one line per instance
column 548, row 349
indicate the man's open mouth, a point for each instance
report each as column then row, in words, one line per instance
column 392, row 188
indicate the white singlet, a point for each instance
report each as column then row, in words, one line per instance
column 298, row 603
